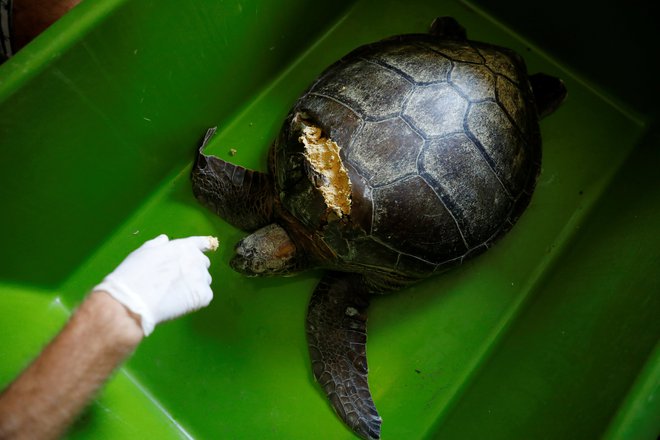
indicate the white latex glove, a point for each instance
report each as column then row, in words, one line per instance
column 163, row 279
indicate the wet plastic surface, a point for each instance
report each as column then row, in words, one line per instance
column 550, row 334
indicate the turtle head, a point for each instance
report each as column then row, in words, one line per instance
column 267, row 251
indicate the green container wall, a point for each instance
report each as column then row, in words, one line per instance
column 553, row 333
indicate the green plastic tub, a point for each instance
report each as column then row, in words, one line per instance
column 552, row 334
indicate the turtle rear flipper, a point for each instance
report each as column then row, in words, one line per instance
column 337, row 338
column 448, row 28
column 241, row 196
column 549, row 93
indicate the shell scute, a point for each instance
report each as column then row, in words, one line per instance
column 512, row 100
column 420, row 64
column 446, row 164
column 503, row 62
column 436, row 109
column 386, row 151
column 338, row 121
column 458, row 51
column 424, row 227
column 367, row 88
column 475, row 82
column 502, row 143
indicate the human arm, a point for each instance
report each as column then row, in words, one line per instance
column 44, row 400
column 160, row 280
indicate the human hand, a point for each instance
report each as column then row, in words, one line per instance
column 163, row 279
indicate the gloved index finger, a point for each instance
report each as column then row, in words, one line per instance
column 203, row 243
column 161, row 239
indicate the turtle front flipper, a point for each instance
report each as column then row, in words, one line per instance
column 337, row 338
column 241, row 196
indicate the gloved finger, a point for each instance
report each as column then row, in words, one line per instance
column 161, row 239
column 200, row 276
column 206, row 295
column 200, row 297
column 196, row 262
column 204, row 260
column 203, row 243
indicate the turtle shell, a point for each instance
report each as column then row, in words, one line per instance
column 440, row 141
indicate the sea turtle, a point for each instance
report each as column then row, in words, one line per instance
column 402, row 160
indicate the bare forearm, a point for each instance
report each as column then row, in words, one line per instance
column 52, row 391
